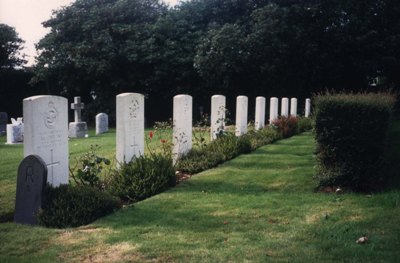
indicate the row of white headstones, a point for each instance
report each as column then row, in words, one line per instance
column 46, row 126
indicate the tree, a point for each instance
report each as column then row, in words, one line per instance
column 10, row 48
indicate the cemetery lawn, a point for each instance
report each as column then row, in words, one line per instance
column 259, row 207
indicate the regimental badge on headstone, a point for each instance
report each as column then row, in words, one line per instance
column 31, row 180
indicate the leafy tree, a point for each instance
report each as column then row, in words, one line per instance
column 10, row 47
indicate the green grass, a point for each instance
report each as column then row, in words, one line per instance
column 259, row 207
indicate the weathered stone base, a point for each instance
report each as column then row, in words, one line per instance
column 77, row 129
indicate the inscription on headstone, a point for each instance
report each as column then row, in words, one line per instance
column 217, row 115
column 182, row 121
column 130, row 126
column 31, row 180
column 46, row 134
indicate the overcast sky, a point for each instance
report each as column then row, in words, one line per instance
column 26, row 16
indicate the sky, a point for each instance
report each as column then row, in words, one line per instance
column 26, row 16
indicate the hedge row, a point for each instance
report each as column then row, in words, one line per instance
column 351, row 134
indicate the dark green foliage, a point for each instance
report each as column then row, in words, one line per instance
column 143, row 177
column 304, row 124
column 10, row 47
column 72, row 206
column 224, row 148
column 351, row 134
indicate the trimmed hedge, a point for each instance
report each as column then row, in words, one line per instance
column 351, row 134
column 143, row 177
column 72, row 206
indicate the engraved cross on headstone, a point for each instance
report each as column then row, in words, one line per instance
column 134, row 145
column 77, row 106
column 51, row 165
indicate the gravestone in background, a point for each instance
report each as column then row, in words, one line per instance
column 259, row 121
column 241, row 115
column 3, row 123
column 130, row 127
column 101, row 123
column 78, row 128
column 31, row 180
column 15, row 131
column 218, row 108
column 308, row 108
column 293, row 107
column 182, row 130
column 46, row 134
column 285, row 107
column 273, row 109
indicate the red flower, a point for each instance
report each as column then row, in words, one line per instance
column 151, row 134
column 163, row 141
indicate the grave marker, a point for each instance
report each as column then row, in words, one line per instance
column 293, row 107
column 31, row 180
column 130, row 126
column 285, row 107
column 259, row 121
column 183, row 122
column 273, row 109
column 78, row 128
column 241, row 115
column 15, row 131
column 308, row 108
column 101, row 123
column 217, row 115
column 46, row 134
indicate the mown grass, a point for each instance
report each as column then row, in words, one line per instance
column 259, row 207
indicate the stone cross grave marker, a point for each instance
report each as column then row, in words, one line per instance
column 285, row 107
column 241, row 115
column 293, row 107
column 130, row 127
column 78, row 128
column 217, row 115
column 46, row 134
column 15, row 131
column 308, row 108
column 273, row 109
column 31, row 180
column 259, row 121
column 182, row 126
column 101, row 123
column 3, row 123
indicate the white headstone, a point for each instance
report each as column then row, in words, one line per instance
column 293, row 107
column 46, row 134
column 217, row 115
column 130, row 126
column 273, row 109
column 259, row 121
column 15, row 131
column 308, row 108
column 285, row 107
column 101, row 123
column 241, row 115
column 182, row 130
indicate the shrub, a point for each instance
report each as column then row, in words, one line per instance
column 198, row 160
column 262, row 137
column 72, row 206
column 286, row 126
column 351, row 133
column 143, row 177
column 304, row 124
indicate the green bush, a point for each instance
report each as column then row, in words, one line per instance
column 262, row 137
column 304, row 124
column 351, row 133
column 198, row 160
column 143, row 177
column 72, row 206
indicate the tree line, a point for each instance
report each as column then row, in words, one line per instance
column 206, row 47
